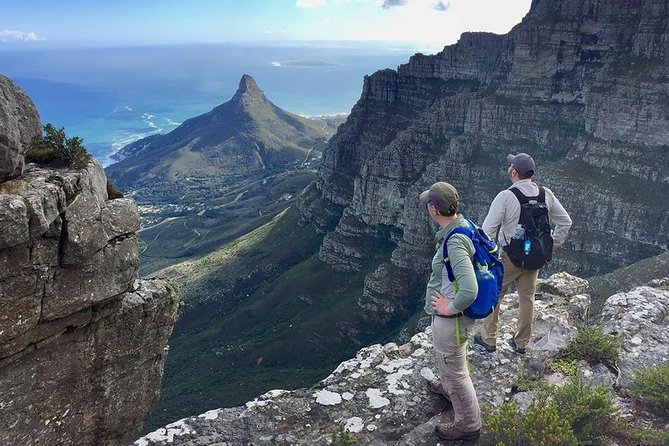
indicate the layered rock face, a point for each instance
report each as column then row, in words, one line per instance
column 82, row 341
column 19, row 125
column 380, row 396
column 582, row 85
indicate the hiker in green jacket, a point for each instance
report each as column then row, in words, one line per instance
column 445, row 301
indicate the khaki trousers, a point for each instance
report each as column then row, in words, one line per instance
column 449, row 338
column 526, row 283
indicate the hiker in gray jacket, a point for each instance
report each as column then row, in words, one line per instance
column 502, row 224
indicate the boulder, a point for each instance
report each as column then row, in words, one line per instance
column 19, row 126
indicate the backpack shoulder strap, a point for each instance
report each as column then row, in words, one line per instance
column 459, row 230
column 522, row 198
column 519, row 195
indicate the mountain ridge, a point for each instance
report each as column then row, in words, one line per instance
column 218, row 175
column 240, row 137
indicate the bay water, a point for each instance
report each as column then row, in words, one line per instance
column 113, row 96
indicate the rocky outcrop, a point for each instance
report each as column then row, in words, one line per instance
column 582, row 85
column 82, row 341
column 640, row 317
column 380, row 396
column 19, row 126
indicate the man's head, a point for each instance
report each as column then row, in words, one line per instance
column 522, row 165
column 443, row 197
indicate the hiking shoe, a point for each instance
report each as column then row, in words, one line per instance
column 479, row 340
column 449, row 431
column 514, row 346
column 434, row 386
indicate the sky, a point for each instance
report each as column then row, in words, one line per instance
column 102, row 23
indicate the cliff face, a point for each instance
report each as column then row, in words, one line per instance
column 82, row 341
column 582, row 85
column 380, row 396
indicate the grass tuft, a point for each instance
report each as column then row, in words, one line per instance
column 592, row 345
column 652, row 387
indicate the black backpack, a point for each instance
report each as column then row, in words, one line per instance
column 535, row 249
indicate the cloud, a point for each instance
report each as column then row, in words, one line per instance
column 387, row 4
column 441, row 6
column 9, row 35
column 310, row 3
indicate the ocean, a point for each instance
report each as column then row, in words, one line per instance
column 111, row 97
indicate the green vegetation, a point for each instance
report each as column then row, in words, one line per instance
column 226, row 215
column 541, row 425
column 652, row 387
column 262, row 312
column 592, row 345
column 341, row 437
column 566, row 367
column 54, row 148
column 525, row 384
column 586, row 409
column 574, row 414
column 625, row 434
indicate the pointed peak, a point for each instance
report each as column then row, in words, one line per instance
column 249, row 91
column 248, row 84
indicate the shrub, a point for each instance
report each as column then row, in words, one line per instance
column 525, row 383
column 592, row 345
column 627, row 435
column 502, row 426
column 587, row 410
column 54, row 148
column 568, row 415
column 341, row 437
column 542, row 425
column 652, row 386
column 567, row 367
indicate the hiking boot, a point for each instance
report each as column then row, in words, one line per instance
column 449, row 431
column 479, row 340
column 435, row 387
column 514, row 346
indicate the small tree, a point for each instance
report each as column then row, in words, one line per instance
column 54, row 148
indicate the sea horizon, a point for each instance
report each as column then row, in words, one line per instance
column 113, row 96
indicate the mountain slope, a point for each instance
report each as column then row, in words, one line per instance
column 261, row 312
column 218, row 175
column 245, row 135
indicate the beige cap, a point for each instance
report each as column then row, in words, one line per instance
column 443, row 196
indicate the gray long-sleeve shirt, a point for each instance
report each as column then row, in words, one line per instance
column 502, row 218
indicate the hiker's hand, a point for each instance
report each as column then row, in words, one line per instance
column 440, row 304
